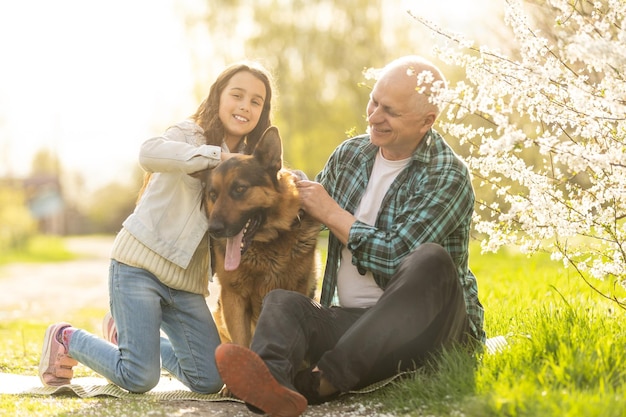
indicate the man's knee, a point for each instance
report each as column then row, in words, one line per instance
column 432, row 250
column 429, row 255
column 430, row 262
column 281, row 301
column 281, row 296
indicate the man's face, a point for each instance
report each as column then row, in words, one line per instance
column 396, row 123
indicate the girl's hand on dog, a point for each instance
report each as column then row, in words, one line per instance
column 201, row 175
column 227, row 155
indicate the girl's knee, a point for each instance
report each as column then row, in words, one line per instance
column 141, row 384
column 139, row 380
column 206, row 386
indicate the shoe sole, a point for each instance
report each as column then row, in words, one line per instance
column 49, row 338
column 44, row 362
column 248, row 378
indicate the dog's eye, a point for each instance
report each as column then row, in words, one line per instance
column 240, row 189
column 212, row 196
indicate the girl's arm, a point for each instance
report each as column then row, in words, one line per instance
column 176, row 150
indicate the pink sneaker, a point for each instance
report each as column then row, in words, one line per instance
column 55, row 366
column 109, row 331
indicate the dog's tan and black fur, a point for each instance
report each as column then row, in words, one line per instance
column 261, row 239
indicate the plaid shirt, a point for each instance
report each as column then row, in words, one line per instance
column 431, row 200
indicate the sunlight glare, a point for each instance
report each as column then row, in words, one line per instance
column 447, row 12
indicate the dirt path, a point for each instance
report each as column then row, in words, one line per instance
column 56, row 291
column 52, row 291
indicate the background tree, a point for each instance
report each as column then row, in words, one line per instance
column 317, row 51
column 561, row 96
column 46, row 162
column 109, row 205
column 16, row 223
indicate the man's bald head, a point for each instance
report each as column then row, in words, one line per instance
column 416, row 73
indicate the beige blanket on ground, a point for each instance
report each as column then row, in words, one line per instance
column 167, row 389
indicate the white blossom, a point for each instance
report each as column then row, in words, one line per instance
column 546, row 131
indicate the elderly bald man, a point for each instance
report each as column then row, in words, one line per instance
column 397, row 287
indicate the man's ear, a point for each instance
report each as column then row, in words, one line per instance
column 429, row 120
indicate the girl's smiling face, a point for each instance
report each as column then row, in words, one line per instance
column 241, row 104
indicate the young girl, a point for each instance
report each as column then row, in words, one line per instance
column 160, row 266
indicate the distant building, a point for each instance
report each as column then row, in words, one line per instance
column 45, row 201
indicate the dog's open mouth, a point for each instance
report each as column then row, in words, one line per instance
column 238, row 244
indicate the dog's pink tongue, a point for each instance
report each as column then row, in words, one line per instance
column 233, row 252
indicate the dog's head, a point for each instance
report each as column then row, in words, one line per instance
column 241, row 193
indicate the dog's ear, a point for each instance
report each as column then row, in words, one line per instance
column 269, row 150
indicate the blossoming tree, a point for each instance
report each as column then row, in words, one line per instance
column 550, row 136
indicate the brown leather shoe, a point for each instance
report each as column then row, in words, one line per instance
column 248, row 378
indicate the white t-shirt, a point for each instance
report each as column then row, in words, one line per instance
column 354, row 289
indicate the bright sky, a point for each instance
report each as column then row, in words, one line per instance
column 91, row 80
column 460, row 14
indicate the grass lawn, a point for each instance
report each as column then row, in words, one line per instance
column 566, row 355
column 38, row 249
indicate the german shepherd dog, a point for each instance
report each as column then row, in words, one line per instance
column 261, row 239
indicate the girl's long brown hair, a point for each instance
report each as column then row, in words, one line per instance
column 207, row 115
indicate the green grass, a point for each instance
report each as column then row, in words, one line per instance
column 21, row 341
column 38, row 249
column 566, row 355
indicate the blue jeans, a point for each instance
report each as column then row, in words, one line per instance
column 142, row 306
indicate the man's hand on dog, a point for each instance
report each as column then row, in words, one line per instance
column 321, row 206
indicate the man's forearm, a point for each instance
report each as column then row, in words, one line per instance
column 339, row 222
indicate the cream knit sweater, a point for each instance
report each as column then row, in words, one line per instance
column 130, row 251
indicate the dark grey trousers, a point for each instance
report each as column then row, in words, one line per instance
column 421, row 310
